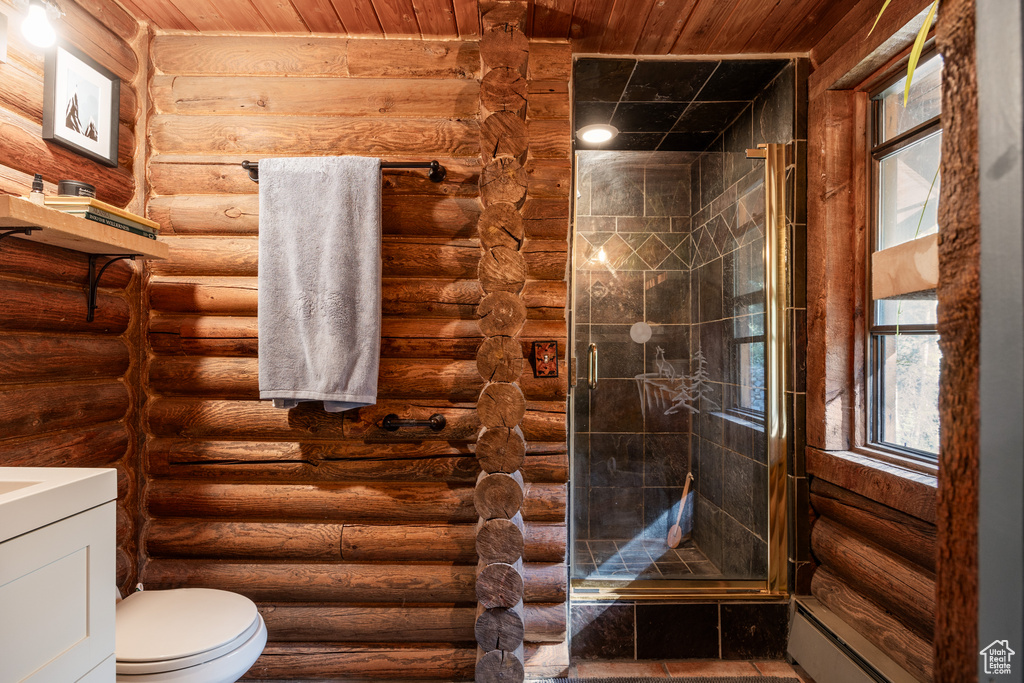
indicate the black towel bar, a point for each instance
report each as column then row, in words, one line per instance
column 436, row 175
column 392, row 422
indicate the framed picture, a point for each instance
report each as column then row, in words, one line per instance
column 81, row 102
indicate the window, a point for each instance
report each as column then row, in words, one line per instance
column 747, row 343
column 903, row 361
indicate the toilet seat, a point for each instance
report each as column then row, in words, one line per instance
column 161, row 632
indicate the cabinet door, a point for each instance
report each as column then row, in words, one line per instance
column 57, row 598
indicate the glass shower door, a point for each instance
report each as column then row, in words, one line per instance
column 669, row 305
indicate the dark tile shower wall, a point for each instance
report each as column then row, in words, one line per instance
column 632, row 260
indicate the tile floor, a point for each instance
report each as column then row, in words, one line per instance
column 678, row 669
column 639, row 559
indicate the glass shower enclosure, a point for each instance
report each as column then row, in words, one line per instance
column 678, row 305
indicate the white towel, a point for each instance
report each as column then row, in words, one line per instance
column 319, row 281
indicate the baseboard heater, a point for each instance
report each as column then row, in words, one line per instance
column 830, row 650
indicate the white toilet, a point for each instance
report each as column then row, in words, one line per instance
column 187, row 635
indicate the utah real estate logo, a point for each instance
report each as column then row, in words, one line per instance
column 997, row 657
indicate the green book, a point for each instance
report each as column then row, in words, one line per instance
column 119, row 225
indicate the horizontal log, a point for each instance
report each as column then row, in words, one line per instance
column 96, row 40
column 39, row 308
column 37, row 409
column 214, row 214
column 24, row 259
column 248, row 134
column 367, row 501
column 237, row 378
column 906, row 648
column 21, row 91
column 45, row 358
column 543, row 420
column 544, row 542
column 290, row 95
column 338, row 461
column 113, row 16
column 907, row 536
column 895, row 487
column 22, row 147
column 886, row 579
column 548, row 103
column 199, row 335
column 420, row 298
column 243, row 56
column 332, row 462
column 549, row 139
column 293, row 462
column 546, row 218
column 180, row 175
column 346, row 582
column 390, row 624
column 295, row 661
column 197, row 538
column 343, row 502
column 260, row 421
column 401, row 257
column 200, row 538
column 546, row 660
column 550, row 61
column 91, row 445
column 392, row 58
column 548, row 178
column 450, row 217
column 319, row 582
column 238, row 214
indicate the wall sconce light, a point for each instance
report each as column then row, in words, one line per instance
column 597, row 133
column 37, row 28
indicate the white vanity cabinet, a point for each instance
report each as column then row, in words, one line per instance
column 57, row 574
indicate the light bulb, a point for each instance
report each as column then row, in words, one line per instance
column 597, row 132
column 36, row 28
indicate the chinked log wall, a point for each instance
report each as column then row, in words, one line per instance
column 358, row 544
column 68, row 388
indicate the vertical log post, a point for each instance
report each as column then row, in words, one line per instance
column 500, row 451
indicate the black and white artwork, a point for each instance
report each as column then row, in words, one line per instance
column 80, row 105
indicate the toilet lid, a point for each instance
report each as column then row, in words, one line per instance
column 154, row 626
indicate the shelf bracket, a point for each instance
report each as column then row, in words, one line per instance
column 17, row 231
column 94, row 277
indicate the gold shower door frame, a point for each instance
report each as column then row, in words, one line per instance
column 777, row 360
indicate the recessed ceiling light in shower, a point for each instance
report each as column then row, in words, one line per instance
column 596, row 133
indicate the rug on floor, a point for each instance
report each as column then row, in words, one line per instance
column 684, row 679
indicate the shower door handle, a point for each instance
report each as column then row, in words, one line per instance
column 592, row 366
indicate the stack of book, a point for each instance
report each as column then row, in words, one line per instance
column 94, row 210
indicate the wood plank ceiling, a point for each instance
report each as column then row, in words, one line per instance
column 642, row 27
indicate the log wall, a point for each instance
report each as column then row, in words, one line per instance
column 69, row 389
column 359, row 545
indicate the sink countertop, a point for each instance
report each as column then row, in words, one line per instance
column 32, row 497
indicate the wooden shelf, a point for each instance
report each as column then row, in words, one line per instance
column 60, row 229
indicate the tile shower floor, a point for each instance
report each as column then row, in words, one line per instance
column 639, row 559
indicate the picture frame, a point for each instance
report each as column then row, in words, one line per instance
column 81, row 105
